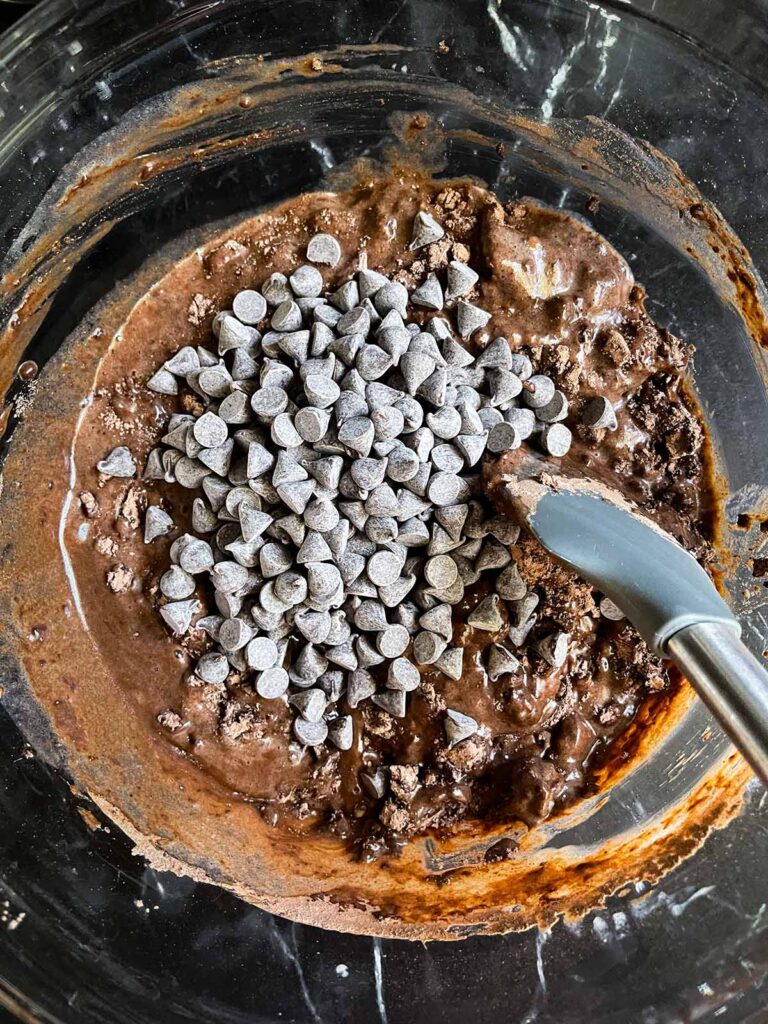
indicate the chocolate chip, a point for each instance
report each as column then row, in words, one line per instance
column 471, row 447
column 234, row 336
column 497, row 356
column 445, row 423
column 310, row 704
column 553, row 648
column 434, row 389
column 501, row 662
column 157, row 523
column 321, row 515
column 194, row 555
column 391, row 701
column 392, row 641
column 154, row 469
column 375, row 784
column 357, row 434
column 370, row 281
column 444, row 489
column 234, row 634
column 540, row 392
column 219, row 460
column 321, row 391
column 119, row 463
column 455, row 354
column 290, row 588
column 440, row 571
column 470, row 319
column 556, row 440
column 310, row 734
column 360, row 686
column 314, row 626
column 382, row 501
column 253, row 522
column 426, row 230
column 461, row 280
column 272, row 683
column 391, row 296
column 504, row 387
column 427, row 647
column 215, row 382
column 522, row 609
column 261, row 653
column 503, row 438
column 341, row 732
column 521, row 365
column 555, row 410
column 185, row 361
column 249, row 306
column 610, row 611
column 305, row 282
column 204, row 520
column 392, row 594
column 177, row 584
column 523, row 420
column 429, row 294
column 356, row 321
column 438, row 620
column 388, row 423
column 323, row 579
column 403, row 675
column 451, row 663
column 327, row 471
column 459, row 726
column 311, row 424
column 178, row 615
column 314, row 549
column 269, row 402
column 308, row 666
column 296, row 495
column 323, row 248
column 383, row 568
column 212, row 668
column 599, row 414
column 235, row 409
column 504, row 530
column 415, row 368
column 276, row 289
column 487, row 615
column 402, row 464
column 287, row 317
column 163, row 382
column 274, row 559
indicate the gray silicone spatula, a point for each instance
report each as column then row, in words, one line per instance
column 662, row 590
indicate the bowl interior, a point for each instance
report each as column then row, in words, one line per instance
column 215, row 117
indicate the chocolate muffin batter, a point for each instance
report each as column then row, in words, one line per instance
column 559, row 293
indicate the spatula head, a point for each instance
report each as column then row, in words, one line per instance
column 591, row 528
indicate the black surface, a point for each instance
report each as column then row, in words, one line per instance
column 10, row 10
column 80, row 888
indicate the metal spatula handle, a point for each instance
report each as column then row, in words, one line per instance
column 731, row 682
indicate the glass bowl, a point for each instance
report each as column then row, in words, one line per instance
column 130, row 126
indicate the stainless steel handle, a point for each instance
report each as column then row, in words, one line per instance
column 731, row 682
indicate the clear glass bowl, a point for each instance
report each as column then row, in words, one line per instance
column 126, row 125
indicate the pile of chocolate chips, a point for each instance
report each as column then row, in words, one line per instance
column 340, row 516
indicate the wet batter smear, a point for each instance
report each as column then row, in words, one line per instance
column 288, row 473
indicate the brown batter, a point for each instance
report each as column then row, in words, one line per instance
column 559, row 291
